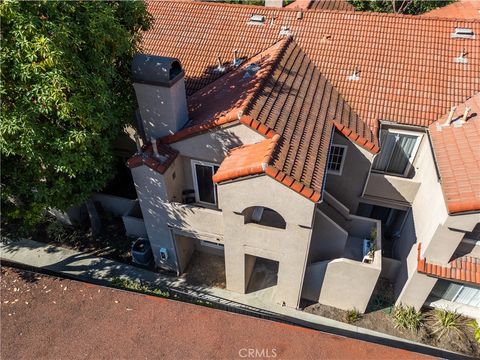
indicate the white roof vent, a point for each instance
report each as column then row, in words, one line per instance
column 463, row 33
column 462, row 59
column 285, row 31
column 256, row 19
column 355, row 75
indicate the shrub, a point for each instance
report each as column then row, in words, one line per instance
column 446, row 322
column 476, row 330
column 406, row 317
column 353, row 316
column 57, row 232
column 137, row 286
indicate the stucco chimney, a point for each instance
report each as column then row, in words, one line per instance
column 160, row 88
column 274, row 3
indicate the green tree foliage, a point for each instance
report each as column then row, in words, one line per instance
column 66, row 95
column 413, row 7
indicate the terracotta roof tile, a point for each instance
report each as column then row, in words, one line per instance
column 286, row 104
column 407, row 72
column 464, row 269
column 461, row 9
column 147, row 157
column 225, row 100
column 457, row 152
column 246, row 160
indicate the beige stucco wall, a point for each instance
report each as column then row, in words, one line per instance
column 288, row 246
column 163, row 109
column 391, row 191
column 185, row 248
column 152, row 195
column 343, row 283
column 430, row 224
column 213, row 145
column 348, row 187
column 328, row 239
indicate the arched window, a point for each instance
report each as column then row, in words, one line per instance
column 263, row 216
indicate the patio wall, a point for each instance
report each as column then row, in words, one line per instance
column 346, row 283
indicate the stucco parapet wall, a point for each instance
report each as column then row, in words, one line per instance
column 195, row 221
column 388, row 188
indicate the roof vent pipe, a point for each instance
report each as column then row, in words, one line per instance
column 156, row 154
column 137, row 142
column 462, row 59
column 300, row 15
column 220, row 66
column 236, row 60
column 450, row 116
column 465, row 114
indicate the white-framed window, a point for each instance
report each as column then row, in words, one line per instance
column 398, row 149
column 205, row 188
column 336, row 159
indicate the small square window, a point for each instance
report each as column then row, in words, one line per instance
column 336, row 159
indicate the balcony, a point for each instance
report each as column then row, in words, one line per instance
column 339, row 262
column 390, row 189
column 195, row 221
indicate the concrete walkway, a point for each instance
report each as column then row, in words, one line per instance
column 88, row 267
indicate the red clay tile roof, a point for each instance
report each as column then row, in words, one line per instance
column 407, row 72
column 167, row 156
column 246, row 160
column 463, row 269
column 226, row 99
column 295, row 101
column 461, row 9
column 457, row 152
column 300, row 104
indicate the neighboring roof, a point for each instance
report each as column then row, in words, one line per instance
column 465, row 268
column 290, row 98
column 321, row 5
column 407, row 72
column 461, row 9
column 457, row 152
column 147, row 157
column 246, row 160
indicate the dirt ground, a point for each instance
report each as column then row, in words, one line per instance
column 205, row 269
column 45, row 317
column 381, row 320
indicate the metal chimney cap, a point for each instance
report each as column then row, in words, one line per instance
column 156, row 70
